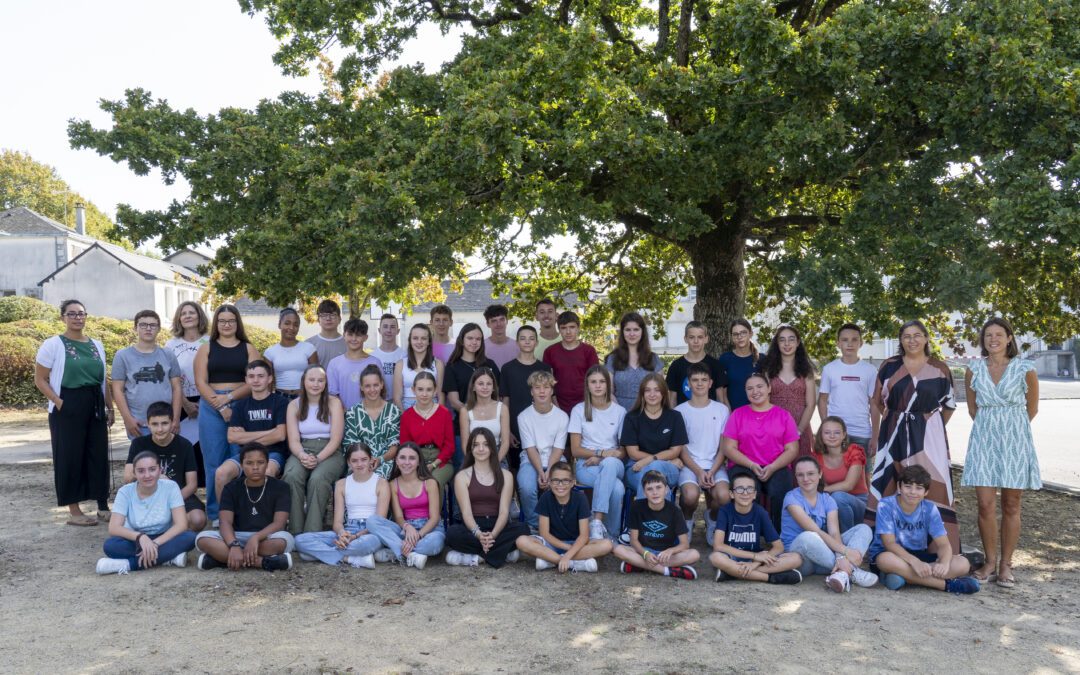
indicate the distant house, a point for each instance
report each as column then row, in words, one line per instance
column 32, row 247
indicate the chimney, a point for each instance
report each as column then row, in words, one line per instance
column 80, row 219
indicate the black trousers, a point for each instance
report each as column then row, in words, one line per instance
column 80, row 447
column 459, row 538
column 778, row 485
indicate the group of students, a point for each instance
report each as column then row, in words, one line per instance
column 372, row 443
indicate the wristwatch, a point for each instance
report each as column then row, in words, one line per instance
column 236, row 543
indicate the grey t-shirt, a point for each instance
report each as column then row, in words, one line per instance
column 327, row 349
column 147, row 378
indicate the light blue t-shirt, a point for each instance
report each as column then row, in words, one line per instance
column 912, row 530
column 151, row 515
column 819, row 513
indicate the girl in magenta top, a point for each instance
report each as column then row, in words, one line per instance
column 843, row 466
column 763, row 438
column 413, row 531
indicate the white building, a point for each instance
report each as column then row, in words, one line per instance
column 32, row 247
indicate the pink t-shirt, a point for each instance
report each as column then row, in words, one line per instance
column 761, row 435
column 442, row 350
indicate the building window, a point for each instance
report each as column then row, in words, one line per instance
column 7, row 292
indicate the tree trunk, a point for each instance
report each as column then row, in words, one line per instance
column 720, row 276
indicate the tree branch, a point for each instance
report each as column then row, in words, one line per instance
column 663, row 25
column 564, row 12
column 645, row 223
column 682, row 39
column 455, row 13
column 616, row 36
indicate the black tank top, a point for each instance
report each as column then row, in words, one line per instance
column 226, row 364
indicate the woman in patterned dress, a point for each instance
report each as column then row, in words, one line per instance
column 791, row 381
column 374, row 421
column 912, row 402
column 1002, row 398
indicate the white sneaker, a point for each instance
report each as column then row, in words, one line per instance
column 384, row 555
column 417, row 560
column 586, row 565
column 179, row 561
column 361, row 561
column 597, row 530
column 863, row 578
column 542, row 565
column 462, row 559
column 513, row 556
column 113, row 566
column 838, row 581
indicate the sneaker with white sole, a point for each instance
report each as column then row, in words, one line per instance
column 542, row 565
column 624, row 538
column 513, row 556
column 281, row 562
column 597, row 531
column 179, row 561
column 384, row 555
column 862, row 578
column 207, row 562
column 462, row 559
column 113, row 566
column 366, row 562
column 417, row 560
column 838, row 581
column 586, row 565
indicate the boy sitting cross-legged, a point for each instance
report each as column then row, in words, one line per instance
column 740, row 526
column 563, row 541
column 659, row 541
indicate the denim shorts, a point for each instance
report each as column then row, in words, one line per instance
column 923, row 555
column 274, row 457
column 560, row 551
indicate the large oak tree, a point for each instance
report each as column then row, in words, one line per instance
column 918, row 156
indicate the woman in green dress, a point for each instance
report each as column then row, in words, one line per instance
column 70, row 372
column 374, row 421
column 1002, row 398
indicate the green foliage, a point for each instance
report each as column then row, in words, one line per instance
column 921, row 157
column 17, row 307
column 17, row 371
column 24, row 182
column 261, row 338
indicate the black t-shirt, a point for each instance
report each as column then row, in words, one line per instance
column 657, row 530
column 563, row 520
column 514, row 383
column 744, row 531
column 679, row 382
column 456, row 377
column 264, row 415
column 654, row 435
column 252, row 512
column 177, row 458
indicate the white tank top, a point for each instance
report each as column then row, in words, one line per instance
column 407, row 377
column 493, row 425
column 361, row 499
column 312, row 427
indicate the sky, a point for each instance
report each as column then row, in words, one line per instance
column 61, row 57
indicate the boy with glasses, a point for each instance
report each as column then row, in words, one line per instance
column 329, row 343
column 145, row 373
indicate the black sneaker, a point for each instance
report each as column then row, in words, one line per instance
column 282, row 562
column 789, row 577
column 206, row 562
column 721, row 575
column 962, row 585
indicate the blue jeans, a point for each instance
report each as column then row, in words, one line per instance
column 818, row 558
column 321, row 546
column 529, row 491
column 849, row 508
column 633, row 478
column 216, row 449
column 605, row 479
column 391, row 535
column 125, row 549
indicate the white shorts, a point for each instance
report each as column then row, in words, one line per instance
column 688, row 476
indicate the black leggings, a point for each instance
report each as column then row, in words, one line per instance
column 776, row 488
column 459, row 538
column 80, row 447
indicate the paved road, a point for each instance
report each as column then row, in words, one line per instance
column 1055, row 431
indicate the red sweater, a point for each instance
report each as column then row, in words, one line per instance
column 437, row 430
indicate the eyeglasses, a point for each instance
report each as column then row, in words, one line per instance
column 913, row 336
column 148, row 326
column 75, row 315
column 326, row 315
column 740, row 333
column 561, row 481
column 226, row 322
column 744, row 490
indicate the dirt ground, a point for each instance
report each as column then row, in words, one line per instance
column 59, row 616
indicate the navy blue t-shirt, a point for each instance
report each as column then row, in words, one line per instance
column 745, row 531
column 739, row 369
column 563, row 521
column 264, row 415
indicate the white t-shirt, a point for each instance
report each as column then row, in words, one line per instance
column 543, row 432
column 289, row 363
column 849, row 388
column 389, row 359
column 184, row 352
column 704, row 426
column 152, row 515
column 602, row 433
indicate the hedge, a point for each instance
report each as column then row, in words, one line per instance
column 17, row 307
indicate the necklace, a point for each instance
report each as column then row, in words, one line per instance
column 254, row 511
